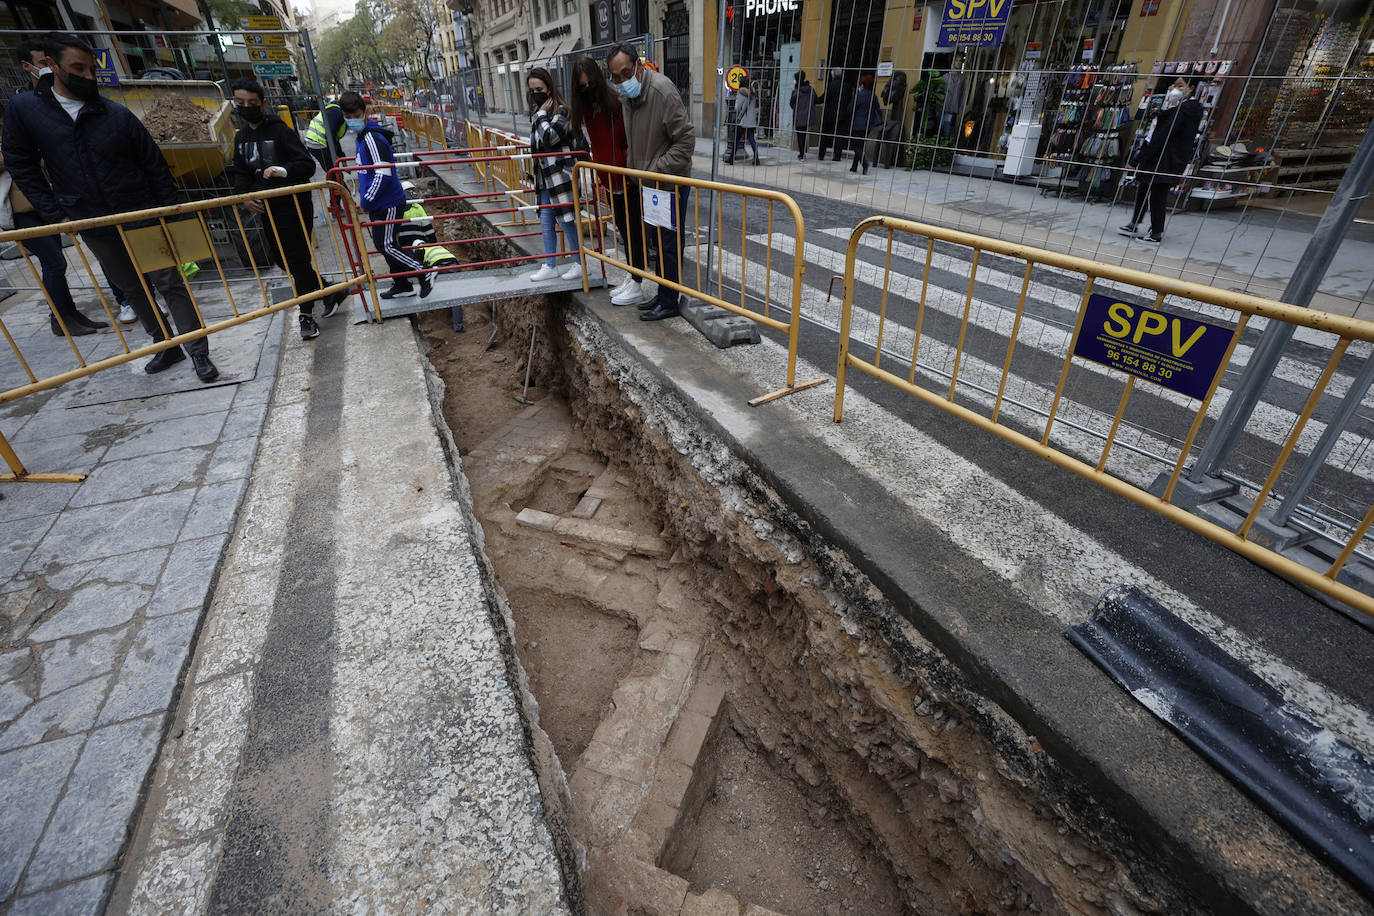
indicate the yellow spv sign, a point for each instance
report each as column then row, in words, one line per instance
column 974, row 23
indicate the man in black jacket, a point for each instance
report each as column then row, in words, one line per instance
column 836, row 103
column 77, row 156
column 267, row 155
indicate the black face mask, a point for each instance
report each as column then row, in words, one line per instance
column 250, row 113
column 587, row 93
column 537, row 99
column 83, row 87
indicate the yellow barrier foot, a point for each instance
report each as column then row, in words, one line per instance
column 42, row 478
column 784, row 392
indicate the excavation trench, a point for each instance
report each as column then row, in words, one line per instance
column 724, row 712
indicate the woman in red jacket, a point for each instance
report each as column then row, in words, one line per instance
column 596, row 107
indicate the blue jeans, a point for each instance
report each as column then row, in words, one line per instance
column 48, row 251
column 550, row 223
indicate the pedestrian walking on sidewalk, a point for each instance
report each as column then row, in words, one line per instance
column 76, row 156
column 551, row 132
column 269, row 155
column 381, row 195
column 866, row 121
column 803, row 102
column 1163, row 159
column 47, row 249
column 596, row 109
column 661, row 139
column 835, row 104
column 746, row 121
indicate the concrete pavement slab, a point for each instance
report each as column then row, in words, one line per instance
column 30, row 782
column 76, row 899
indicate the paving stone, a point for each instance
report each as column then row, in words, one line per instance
column 596, row 534
column 142, row 567
column 611, row 812
column 17, row 539
column 684, row 647
column 706, row 698
column 77, row 899
column 615, row 762
column 30, row 780
column 655, row 821
column 113, row 481
column 711, row 902
column 187, row 576
column 14, row 699
column 56, row 716
column 88, row 828
column 152, row 668
column 586, row 507
column 244, row 420
column 689, row 733
column 110, row 530
column 97, row 606
column 651, row 890
column 670, row 782
column 539, row 521
column 168, row 436
column 71, row 661
column 232, row 458
column 214, row 508
column 27, row 500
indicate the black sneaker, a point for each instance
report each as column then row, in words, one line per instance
column 1153, row 238
column 309, row 329
column 400, row 289
column 426, row 285
column 1129, row 230
column 164, row 359
column 332, row 303
column 205, row 370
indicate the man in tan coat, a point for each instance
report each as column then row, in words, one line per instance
column 661, row 139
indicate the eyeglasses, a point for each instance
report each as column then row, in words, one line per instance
column 623, row 75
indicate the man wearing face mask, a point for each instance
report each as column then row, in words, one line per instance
column 47, row 249
column 76, row 156
column 1164, row 158
column 267, row 155
column 661, row 138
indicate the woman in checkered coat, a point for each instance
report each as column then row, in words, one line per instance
column 551, row 132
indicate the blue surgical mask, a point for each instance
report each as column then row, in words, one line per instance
column 631, row 88
column 355, row 124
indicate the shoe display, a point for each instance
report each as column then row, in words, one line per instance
column 73, row 328
column 126, row 314
column 309, row 329
column 332, row 303
column 399, row 290
column 660, row 311
column 1129, row 230
column 574, row 272
column 164, row 359
column 544, row 273
column 632, row 294
column 205, row 370
column 426, row 285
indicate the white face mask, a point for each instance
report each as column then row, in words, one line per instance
column 1173, row 97
column 42, row 72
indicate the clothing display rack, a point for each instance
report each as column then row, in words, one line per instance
column 1090, row 130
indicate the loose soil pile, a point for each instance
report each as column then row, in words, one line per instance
column 176, row 120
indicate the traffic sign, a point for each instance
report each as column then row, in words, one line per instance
column 267, row 41
column 261, row 54
column 266, row 23
column 734, row 75
column 273, row 71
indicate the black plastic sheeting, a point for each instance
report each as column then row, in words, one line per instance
column 1317, row 786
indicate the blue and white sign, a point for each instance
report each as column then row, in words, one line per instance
column 1174, row 351
column 105, row 73
column 974, row 23
column 658, row 207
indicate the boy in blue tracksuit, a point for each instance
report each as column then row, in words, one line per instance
column 381, row 195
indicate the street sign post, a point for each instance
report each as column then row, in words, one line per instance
column 265, row 54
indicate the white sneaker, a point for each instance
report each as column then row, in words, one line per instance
column 621, row 288
column 633, row 294
column 126, row 314
column 544, row 273
column 574, row 272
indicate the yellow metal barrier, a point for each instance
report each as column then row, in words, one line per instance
column 1125, row 323
column 694, row 228
column 169, row 237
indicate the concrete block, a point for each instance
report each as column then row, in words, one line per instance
column 611, row 813
column 650, row 890
column 583, row 530
column 670, row 783
column 586, row 507
column 539, row 521
column 689, row 734
column 721, row 327
column 648, row 545
column 713, row 902
column 706, row 698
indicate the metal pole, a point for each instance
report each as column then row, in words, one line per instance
column 330, row 140
column 1334, row 427
column 715, row 139
column 1312, row 266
